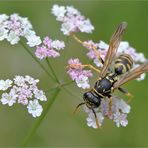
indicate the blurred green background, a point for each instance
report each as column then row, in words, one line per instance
column 60, row 127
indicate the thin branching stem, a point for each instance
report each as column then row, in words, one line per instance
column 59, row 86
column 67, row 83
column 47, row 107
column 41, row 118
column 45, row 110
column 71, row 93
column 52, row 70
column 51, row 89
column 37, row 61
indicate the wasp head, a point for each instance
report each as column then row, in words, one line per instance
column 91, row 100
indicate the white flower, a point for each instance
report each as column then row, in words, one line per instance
column 33, row 40
column 3, row 33
column 123, row 45
column 72, row 11
column 72, row 20
column 13, row 38
column 31, row 80
column 28, row 32
column 91, row 121
column 4, row 85
column 25, row 23
column 34, row 108
column 14, row 27
column 67, row 28
column 140, row 57
column 98, row 63
column 122, row 105
column 58, row 11
column 58, row 44
column 19, row 80
column 23, row 101
column 120, row 119
column 21, row 90
column 10, row 98
column 142, row 77
column 40, row 95
column 85, row 26
column 103, row 45
column 3, row 17
column 83, row 82
column 14, row 16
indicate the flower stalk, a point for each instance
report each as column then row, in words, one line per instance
column 41, row 118
column 52, row 70
column 21, row 42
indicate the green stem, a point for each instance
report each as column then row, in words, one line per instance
column 37, row 61
column 51, row 89
column 41, row 118
column 68, row 83
column 58, row 86
column 45, row 110
column 71, row 93
column 52, row 70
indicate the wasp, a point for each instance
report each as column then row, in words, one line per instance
column 111, row 80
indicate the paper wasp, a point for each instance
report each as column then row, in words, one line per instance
column 111, row 80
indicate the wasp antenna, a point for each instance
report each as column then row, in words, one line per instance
column 78, row 106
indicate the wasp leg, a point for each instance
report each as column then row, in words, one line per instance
column 126, row 93
column 78, row 106
column 90, row 46
column 97, row 121
column 110, row 105
column 91, row 67
column 85, row 65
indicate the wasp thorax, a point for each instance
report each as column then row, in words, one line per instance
column 91, row 100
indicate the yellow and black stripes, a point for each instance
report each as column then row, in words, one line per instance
column 96, row 93
column 123, row 64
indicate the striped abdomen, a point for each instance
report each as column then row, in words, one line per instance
column 123, row 64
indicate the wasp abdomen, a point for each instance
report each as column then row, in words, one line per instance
column 123, row 64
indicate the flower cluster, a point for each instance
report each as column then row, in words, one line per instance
column 77, row 73
column 118, row 113
column 14, row 26
column 49, row 48
column 124, row 47
column 72, row 20
column 23, row 90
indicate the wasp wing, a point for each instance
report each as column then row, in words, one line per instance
column 135, row 73
column 113, row 46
